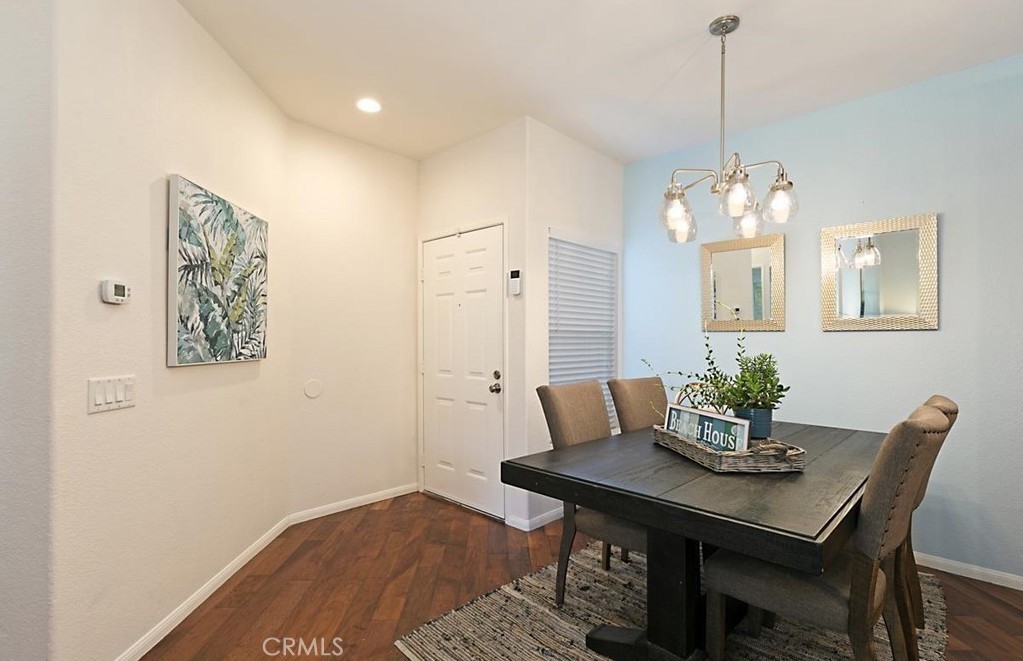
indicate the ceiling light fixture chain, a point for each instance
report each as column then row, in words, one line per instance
column 730, row 181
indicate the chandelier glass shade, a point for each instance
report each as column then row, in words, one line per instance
column 677, row 216
column 731, row 182
column 866, row 256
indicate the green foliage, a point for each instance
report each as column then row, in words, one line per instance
column 756, row 385
column 221, row 279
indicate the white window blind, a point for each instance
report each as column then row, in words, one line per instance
column 583, row 315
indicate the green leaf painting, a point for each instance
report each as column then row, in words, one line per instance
column 218, row 279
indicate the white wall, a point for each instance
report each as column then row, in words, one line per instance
column 351, row 209
column 26, row 150
column 535, row 180
column 941, row 146
column 151, row 502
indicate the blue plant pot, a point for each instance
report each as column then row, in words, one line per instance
column 759, row 421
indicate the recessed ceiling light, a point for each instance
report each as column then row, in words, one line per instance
column 368, row 105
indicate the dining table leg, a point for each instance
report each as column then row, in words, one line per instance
column 673, row 600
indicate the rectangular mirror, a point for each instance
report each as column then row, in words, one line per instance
column 880, row 275
column 743, row 283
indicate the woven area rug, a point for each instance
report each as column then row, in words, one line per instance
column 519, row 621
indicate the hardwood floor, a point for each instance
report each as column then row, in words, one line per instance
column 371, row 574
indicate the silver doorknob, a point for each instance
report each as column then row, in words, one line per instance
column 495, row 387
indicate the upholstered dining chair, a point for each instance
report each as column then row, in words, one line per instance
column 639, row 403
column 576, row 413
column 906, row 557
column 860, row 585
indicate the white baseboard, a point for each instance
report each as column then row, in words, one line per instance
column 970, row 571
column 156, row 634
column 351, row 503
column 536, row 522
column 176, row 616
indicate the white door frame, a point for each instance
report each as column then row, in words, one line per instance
column 496, row 221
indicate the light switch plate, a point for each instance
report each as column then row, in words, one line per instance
column 111, row 392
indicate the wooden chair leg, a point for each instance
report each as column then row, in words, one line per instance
column 893, row 624
column 605, row 556
column 567, row 537
column 862, row 615
column 913, row 580
column 754, row 618
column 625, row 555
column 904, row 607
column 862, row 644
column 716, row 613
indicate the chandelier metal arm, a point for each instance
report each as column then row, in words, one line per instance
column 781, row 168
column 708, row 174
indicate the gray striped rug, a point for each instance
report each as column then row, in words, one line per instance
column 519, row 621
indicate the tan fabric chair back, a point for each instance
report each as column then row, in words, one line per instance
column 903, row 461
column 951, row 411
column 575, row 412
column 639, row 403
column 946, row 406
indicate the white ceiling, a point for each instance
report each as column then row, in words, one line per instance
column 632, row 78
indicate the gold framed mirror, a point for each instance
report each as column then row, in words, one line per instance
column 743, row 284
column 881, row 275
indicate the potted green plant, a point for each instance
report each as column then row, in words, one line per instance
column 752, row 394
column 755, row 391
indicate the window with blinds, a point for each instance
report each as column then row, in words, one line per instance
column 583, row 315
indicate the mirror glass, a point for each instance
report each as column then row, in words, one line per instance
column 881, row 275
column 743, row 284
column 888, row 287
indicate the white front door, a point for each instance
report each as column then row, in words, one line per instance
column 463, row 356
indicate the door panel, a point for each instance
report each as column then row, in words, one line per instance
column 463, row 345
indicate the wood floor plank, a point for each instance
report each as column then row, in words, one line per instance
column 371, row 574
column 189, row 637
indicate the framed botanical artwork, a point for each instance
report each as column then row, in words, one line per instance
column 216, row 279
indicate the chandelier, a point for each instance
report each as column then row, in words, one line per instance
column 730, row 183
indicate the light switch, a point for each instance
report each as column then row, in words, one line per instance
column 109, row 393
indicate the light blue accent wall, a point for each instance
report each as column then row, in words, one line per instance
column 952, row 145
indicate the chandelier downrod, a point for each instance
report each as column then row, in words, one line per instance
column 722, row 27
column 721, row 139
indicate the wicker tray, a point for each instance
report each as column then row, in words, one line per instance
column 768, row 456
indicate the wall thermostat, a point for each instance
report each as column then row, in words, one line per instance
column 115, row 291
column 514, row 283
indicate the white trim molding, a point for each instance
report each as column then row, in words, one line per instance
column 167, row 624
column 536, row 522
column 176, row 616
column 970, row 571
column 351, row 503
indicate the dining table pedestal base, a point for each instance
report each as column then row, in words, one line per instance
column 673, row 599
column 623, row 644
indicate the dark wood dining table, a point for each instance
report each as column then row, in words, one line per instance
column 799, row 520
